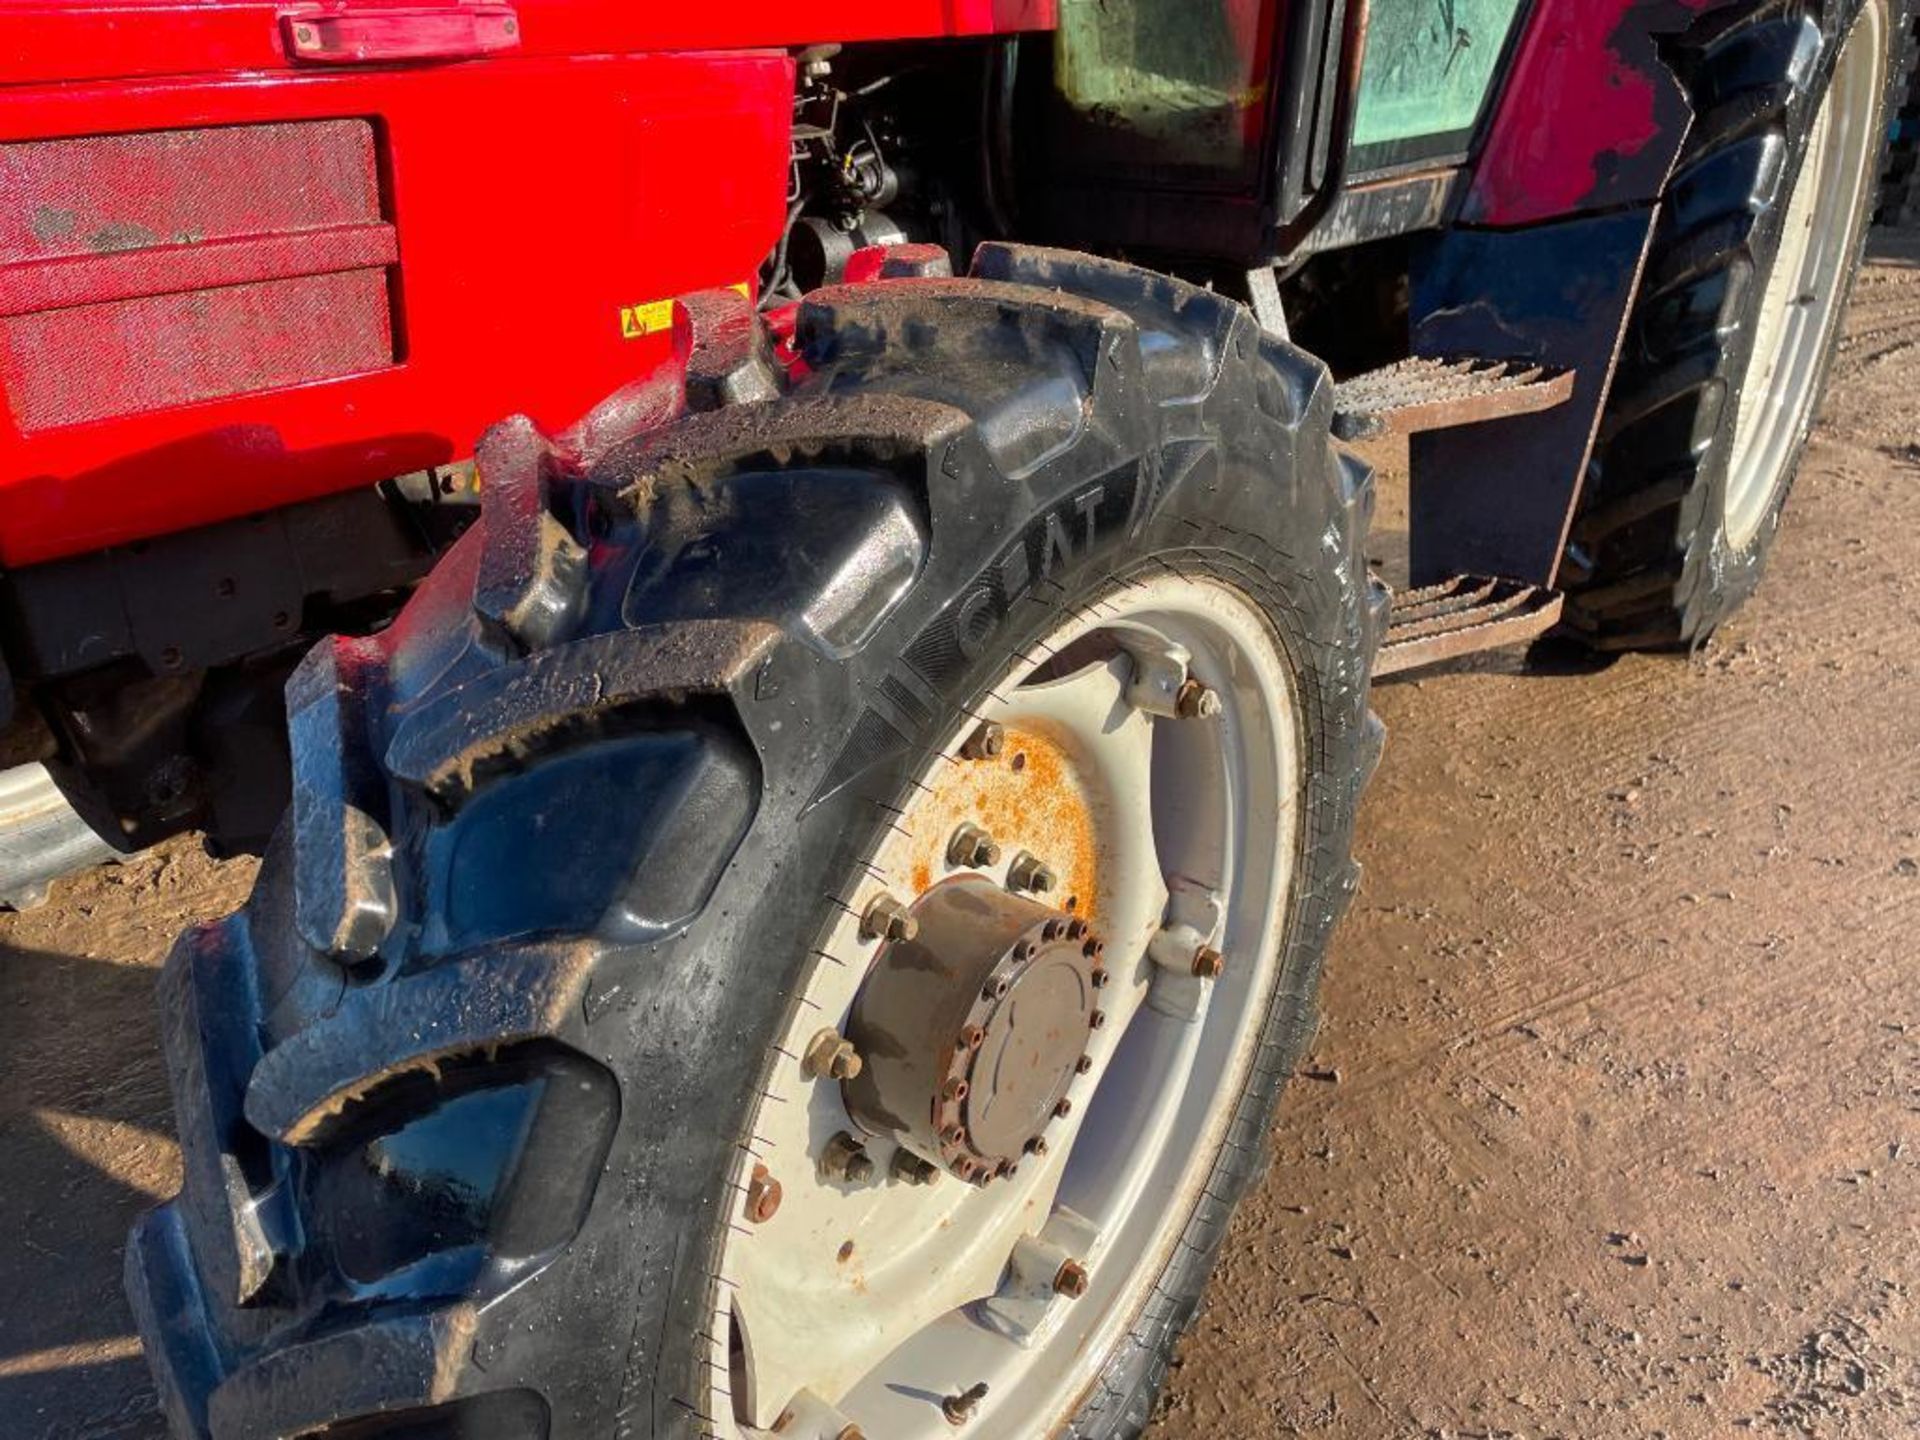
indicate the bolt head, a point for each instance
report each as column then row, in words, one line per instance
column 1208, row 963
column 1096, row 1019
column 1037, row 1145
column 988, row 742
column 1071, row 1281
column 887, row 919
column 1083, row 1065
column 763, row 1196
column 1196, row 702
column 1063, row 1109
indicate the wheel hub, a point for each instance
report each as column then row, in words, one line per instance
column 973, row 1030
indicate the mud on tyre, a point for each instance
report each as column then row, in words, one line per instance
column 463, row 1091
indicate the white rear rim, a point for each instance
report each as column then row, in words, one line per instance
column 862, row 1308
column 1801, row 302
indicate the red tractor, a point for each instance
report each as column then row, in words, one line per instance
column 809, row 847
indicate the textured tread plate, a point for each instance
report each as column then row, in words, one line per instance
column 1437, row 394
column 1461, row 616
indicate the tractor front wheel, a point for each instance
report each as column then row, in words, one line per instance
column 799, row 929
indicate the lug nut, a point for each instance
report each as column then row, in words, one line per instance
column 1083, row 1065
column 959, row 1408
column 763, row 1196
column 1196, row 702
column 1096, row 1019
column 972, row 848
column 995, row 989
column 1208, row 963
column 986, row 743
column 973, row 1037
column 910, row 1169
column 1029, row 872
column 1063, row 1109
column 831, row 1057
column 845, row 1158
column 887, row 919
column 1071, row 1281
column 1037, row 1145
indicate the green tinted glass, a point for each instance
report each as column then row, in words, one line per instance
column 1429, row 66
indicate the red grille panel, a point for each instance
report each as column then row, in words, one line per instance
column 149, row 270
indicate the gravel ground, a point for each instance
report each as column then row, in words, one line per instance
column 1611, row 1127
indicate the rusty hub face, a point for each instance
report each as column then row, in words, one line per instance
column 973, row 1030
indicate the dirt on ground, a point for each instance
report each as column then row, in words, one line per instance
column 1613, row 1125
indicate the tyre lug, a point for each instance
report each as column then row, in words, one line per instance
column 763, row 1196
column 1083, row 1065
column 910, row 1169
column 1037, row 1146
column 959, row 1408
column 972, row 848
column 845, row 1158
column 1196, row 702
column 1063, row 1109
column 988, row 742
column 1028, row 872
column 887, row 919
column 1208, row 963
column 831, row 1057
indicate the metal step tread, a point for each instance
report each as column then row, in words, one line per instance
column 1460, row 616
column 1425, row 393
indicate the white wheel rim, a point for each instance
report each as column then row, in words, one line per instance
column 919, row 1309
column 1800, row 304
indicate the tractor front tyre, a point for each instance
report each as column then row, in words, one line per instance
column 800, row 928
column 1731, row 339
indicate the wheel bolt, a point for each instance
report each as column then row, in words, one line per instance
column 1071, row 1281
column 845, row 1158
column 973, row 1037
column 959, row 1408
column 1196, row 702
column 1029, row 872
column 1063, row 1109
column 955, row 1090
column 1083, row 1065
column 1037, row 1145
column 972, row 848
column 763, row 1196
column 986, row 743
column 1096, row 1019
column 887, row 919
column 1099, row 979
column 910, row 1169
column 831, row 1057
column 1208, row 963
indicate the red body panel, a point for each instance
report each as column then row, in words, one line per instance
column 529, row 208
column 1589, row 114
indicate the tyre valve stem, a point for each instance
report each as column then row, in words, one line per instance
column 959, row 1408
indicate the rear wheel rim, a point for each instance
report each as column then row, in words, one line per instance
column 873, row 1305
column 1800, row 303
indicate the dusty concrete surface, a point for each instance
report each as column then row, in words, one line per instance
column 1612, row 1126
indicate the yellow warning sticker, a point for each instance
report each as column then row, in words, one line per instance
column 639, row 321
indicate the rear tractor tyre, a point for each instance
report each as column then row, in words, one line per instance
column 1730, row 342
column 802, row 926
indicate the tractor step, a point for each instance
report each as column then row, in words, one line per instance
column 1430, row 394
column 1461, row 616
